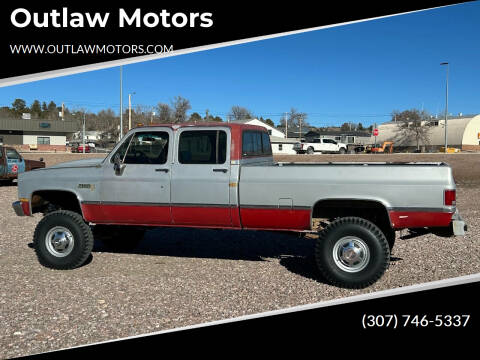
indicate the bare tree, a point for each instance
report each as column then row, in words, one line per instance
column 165, row 113
column 413, row 125
column 180, row 107
column 295, row 118
column 240, row 113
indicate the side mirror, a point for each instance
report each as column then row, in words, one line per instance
column 118, row 166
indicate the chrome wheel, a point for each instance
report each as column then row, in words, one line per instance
column 351, row 254
column 59, row 241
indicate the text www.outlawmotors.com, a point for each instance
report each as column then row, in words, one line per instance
column 84, row 49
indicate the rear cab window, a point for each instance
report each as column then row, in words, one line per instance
column 255, row 143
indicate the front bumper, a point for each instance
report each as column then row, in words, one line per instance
column 458, row 224
column 19, row 208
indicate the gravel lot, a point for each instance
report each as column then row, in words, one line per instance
column 180, row 277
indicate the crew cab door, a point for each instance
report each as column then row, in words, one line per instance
column 200, row 177
column 140, row 194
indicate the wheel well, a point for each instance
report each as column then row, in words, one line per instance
column 50, row 200
column 373, row 211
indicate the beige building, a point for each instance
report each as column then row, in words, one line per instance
column 463, row 133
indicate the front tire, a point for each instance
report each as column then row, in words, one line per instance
column 62, row 240
column 352, row 252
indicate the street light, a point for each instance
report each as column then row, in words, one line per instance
column 446, row 105
column 130, row 110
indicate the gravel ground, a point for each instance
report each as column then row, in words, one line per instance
column 180, row 277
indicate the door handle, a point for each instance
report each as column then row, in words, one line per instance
column 220, row 170
column 162, row 170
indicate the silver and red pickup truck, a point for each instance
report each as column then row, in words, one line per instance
column 223, row 176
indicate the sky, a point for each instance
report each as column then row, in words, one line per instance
column 353, row 73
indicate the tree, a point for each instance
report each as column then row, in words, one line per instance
column 195, row 117
column 413, row 125
column 19, row 106
column 240, row 113
column 295, row 118
column 346, row 127
column 165, row 113
column 217, row 119
column 36, row 109
column 180, row 107
column 269, row 122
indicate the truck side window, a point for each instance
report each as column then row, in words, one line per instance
column 202, row 147
column 148, row 148
column 144, row 148
column 256, row 143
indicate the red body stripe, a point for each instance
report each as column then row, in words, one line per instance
column 412, row 219
column 275, row 219
column 215, row 216
column 284, row 219
column 127, row 214
column 225, row 217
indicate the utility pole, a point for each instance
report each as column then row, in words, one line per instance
column 63, row 111
column 129, row 111
column 286, row 126
column 84, row 132
column 446, row 106
column 121, row 104
column 300, row 121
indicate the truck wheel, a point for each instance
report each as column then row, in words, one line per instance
column 352, row 252
column 310, row 150
column 342, row 151
column 118, row 238
column 62, row 240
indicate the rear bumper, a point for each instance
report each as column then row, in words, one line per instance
column 458, row 224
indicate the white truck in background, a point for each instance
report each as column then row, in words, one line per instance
column 321, row 146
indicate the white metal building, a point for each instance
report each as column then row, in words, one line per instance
column 463, row 133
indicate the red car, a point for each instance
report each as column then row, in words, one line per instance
column 79, row 149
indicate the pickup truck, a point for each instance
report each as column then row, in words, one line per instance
column 223, row 176
column 322, row 146
column 12, row 164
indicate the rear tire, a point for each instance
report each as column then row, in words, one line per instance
column 310, row 150
column 352, row 252
column 342, row 151
column 62, row 240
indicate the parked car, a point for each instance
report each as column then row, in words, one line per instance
column 12, row 164
column 79, row 148
column 322, row 146
column 223, row 176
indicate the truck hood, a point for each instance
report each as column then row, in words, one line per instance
column 78, row 163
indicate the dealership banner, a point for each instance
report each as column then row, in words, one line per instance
column 48, row 36
column 416, row 318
